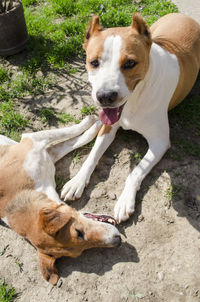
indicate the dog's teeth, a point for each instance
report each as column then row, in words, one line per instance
column 110, row 220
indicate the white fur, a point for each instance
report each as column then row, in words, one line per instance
column 73, row 189
column 144, row 112
column 39, row 164
column 108, row 76
column 6, row 141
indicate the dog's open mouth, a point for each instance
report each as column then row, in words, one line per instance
column 101, row 218
column 110, row 116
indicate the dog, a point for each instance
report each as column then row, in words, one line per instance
column 137, row 75
column 30, row 205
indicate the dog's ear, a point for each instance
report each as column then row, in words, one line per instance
column 51, row 220
column 48, row 268
column 142, row 28
column 94, row 26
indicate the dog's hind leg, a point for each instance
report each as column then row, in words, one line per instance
column 47, row 137
column 73, row 189
column 4, row 140
column 61, row 149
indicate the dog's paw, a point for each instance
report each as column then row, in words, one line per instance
column 90, row 120
column 74, row 188
column 124, row 207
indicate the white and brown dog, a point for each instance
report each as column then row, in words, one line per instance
column 137, row 74
column 30, row 205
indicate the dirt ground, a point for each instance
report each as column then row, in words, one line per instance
column 159, row 259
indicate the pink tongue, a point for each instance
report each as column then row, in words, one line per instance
column 109, row 116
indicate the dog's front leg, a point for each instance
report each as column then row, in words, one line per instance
column 73, row 189
column 125, row 205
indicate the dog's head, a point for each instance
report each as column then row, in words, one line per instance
column 117, row 59
column 62, row 231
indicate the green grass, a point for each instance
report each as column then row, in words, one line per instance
column 7, row 293
column 56, row 33
column 76, row 157
column 88, row 110
column 172, row 192
column 11, row 122
column 65, row 118
column 136, row 157
column 60, row 182
column 56, row 27
column 3, row 75
column 48, row 115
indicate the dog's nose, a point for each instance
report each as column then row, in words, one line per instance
column 106, row 97
column 117, row 241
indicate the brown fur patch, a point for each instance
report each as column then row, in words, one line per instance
column 93, row 27
column 104, row 129
column 13, row 178
column 3, row 150
column 23, row 200
column 180, row 35
column 134, row 47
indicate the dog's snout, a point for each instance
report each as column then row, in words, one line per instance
column 117, row 241
column 106, row 97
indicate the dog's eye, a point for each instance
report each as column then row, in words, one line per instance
column 95, row 63
column 80, row 234
column 129, row 64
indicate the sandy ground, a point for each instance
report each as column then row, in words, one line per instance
column 159, row 257
column 189, row 7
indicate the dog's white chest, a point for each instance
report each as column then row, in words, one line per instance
column 150, row 99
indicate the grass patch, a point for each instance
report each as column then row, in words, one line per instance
column 3, row 75
column 56, row 27
column 56, row 32
column 60, row 182
column 48, row 115
column 65, row 118
column 172, row 192
column 7, row 293
column 11, row 122
column 76, row 157
column 88, row 110
column 136, row 157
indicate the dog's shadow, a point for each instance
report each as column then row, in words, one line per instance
column 181, row 162
column 98, row 261
column 183, row 192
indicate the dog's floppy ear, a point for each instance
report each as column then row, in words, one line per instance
column 52, row 220
column 142, row 28
column 94, row 26
column 48, row 268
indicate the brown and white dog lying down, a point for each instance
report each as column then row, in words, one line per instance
column 30, row 205
column 137, row 74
